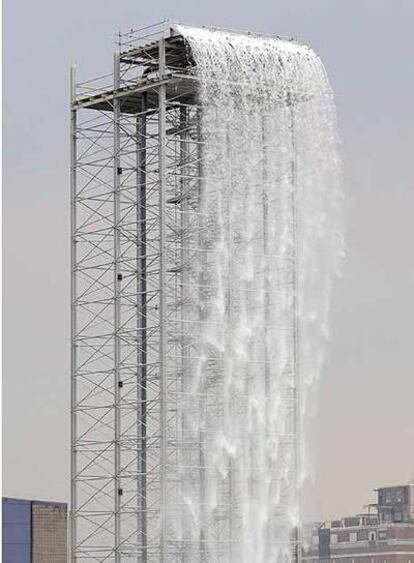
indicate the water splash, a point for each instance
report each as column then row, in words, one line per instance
column 270, row 244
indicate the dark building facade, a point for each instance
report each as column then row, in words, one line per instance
column 34, row 531
column 384, row 535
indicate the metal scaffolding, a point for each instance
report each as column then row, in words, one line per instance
column 136, row 175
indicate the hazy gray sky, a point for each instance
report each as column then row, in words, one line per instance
column 364, row 427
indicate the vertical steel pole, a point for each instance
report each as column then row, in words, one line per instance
column 73, row 297
column 117, row 312
column 142, row 328
column 186, row 461
column 202, row 280
column 162, row 303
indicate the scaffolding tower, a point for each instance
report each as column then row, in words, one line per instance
column 136, row 176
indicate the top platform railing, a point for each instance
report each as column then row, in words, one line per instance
column 135, row 37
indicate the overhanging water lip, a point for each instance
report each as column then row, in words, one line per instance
column 175, row 25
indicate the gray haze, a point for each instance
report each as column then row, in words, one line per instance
column 364, row 426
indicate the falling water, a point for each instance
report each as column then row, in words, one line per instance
column 270, row 238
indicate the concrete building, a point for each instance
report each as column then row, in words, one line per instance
column 384, row 535
column 34, row 531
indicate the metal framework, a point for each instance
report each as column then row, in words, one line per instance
column 136, row 174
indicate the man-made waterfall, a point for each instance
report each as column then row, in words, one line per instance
column 269, row 243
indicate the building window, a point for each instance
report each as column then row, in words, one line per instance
column 386, row 517
column 372, row 536
column 382, row 534
column 398, row 516
column 353, row 537
column 334, row 538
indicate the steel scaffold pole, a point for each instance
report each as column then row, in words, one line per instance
column 73, row 292
column 142, row 328
column 184, row 342
column 186, row 242
column 162, row 303
column 117, row 312
column 201, row 282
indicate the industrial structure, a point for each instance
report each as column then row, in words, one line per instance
column 385, row 534
column 136, row 176
column 34, row 531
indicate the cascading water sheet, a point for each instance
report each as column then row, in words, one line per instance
column 269, row 245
